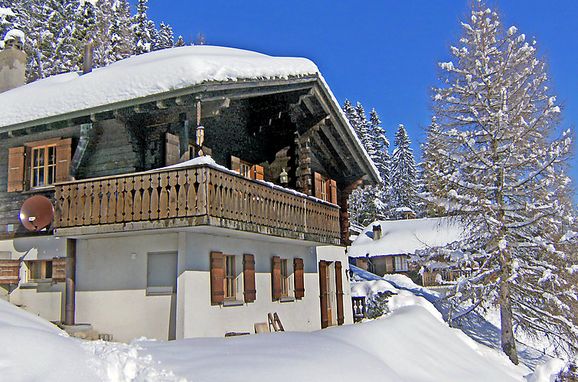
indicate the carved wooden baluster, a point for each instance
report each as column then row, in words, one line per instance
column 128, row 199
column 182, row 194
column 95, row 211
column 104, row 202
column 137, row 200
column 146, row 197
column 203, row 190
column 155, row 194
column 192, row 201
column 120, row 195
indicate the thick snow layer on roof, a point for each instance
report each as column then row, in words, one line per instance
column 405, row 236
column 140, row 76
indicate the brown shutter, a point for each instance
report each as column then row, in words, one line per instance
column 217, row 278
column 9, row 271
column 235, row 164
column 332, row 191
column 59, row 269
column 323, row 297
column 63, row 156
column 249, row 278
column 16, row 169
column 318, row 180
column 276, row 278
column 339, row 292
column 257, row 172
column 172, row 149
column 299, row 278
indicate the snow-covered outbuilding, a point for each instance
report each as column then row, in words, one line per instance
column 386, row 246
column 195, row 190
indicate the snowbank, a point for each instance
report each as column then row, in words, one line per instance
column 32, row 349
column 141, row 76
column 405, row 236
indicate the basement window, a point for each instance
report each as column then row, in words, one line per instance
column 38, row 270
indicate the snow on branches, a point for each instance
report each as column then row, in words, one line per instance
column 492, row 159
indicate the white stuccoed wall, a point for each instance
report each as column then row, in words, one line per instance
column 111, row 276
column 196, row 317
column 46, row 300
column 111, row 285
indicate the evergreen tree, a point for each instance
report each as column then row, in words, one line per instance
column 166, row 38
column 141, row 28
column 180, row 41
column 500, row 169
column 403, row 172
column 121, row 36
column 381, row 159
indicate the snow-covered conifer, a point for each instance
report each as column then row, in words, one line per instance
column 141, row 28
column 166, row 38
column 180, row 41
column 500, row 169
column 403, row 172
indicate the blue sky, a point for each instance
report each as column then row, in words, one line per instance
column 381, row 53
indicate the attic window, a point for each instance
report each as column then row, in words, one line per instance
column 325, row 188
column 43, row 166
column 247, row 169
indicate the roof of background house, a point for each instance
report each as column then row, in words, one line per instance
column 405, row 236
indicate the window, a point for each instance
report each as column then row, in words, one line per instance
column 39, row 270
column 401, row 264
column 39, row 164
column 325, row 188
column 284, row 278
column 43, row 170
column 247, row 169
column 161, row 273
column 229, row 284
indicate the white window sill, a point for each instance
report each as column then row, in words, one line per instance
column 233, row 303
column 160, row 291
column 287, row 299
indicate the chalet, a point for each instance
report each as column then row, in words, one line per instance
column 388, row 246
column 195, row 190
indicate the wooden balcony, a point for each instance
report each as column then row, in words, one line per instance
column 188, row 197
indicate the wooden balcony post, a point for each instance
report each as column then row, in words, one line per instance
column 303, row 172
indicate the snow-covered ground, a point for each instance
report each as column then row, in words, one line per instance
column 412, row 343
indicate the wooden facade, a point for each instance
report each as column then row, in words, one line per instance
column 111, row 156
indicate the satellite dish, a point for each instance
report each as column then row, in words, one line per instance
column 36, row 213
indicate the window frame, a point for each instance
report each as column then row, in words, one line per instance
column 229, row 277
column 47, row 167
column 46, row 267
column 401, row 264
column 285, row 276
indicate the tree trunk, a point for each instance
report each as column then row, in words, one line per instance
column 506, row 319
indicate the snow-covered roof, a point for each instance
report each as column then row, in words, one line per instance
column 406, row 236
column 142, row 76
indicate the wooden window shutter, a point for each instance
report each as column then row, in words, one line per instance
column 339, row 292
column 323, row 294
column 235, row 164
column 332, row 192
column 276, row 277
column 249, row 278
column 318, row 180
column 63, row 156
column 172, row 149
column 217, row 278
column 299, row 278
column 16, row 169
column 59, row 269
column 257, row 172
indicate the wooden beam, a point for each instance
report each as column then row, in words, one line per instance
column 346, row 160
column 318, row 142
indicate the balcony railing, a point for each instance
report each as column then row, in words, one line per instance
column 192, row 196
